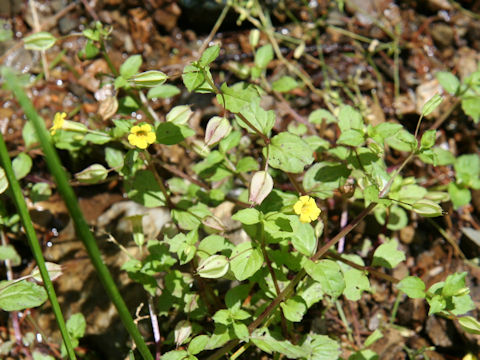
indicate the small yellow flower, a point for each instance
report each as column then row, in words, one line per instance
column 307, row 209
column 141, row 136
column 58, row 121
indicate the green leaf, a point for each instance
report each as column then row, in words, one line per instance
column 467, row 169
column 454, row 284
column 459, row 195
column 365, row 354
column 428, row 139
column 437, row 304
column 397, row 220
column 356, row 282
column 388, row 255
column 289, row 153
column 349, row 118
column 266, row 342
column 39, row 41
column 284, row 84
column 98, row 138
column 317, row 116
column 461, row 305
column 195, row 79
column 21, row 295
column 328, row 274
column 241, row 331
column 303, row 238
column 373, row 337
column 8, row 252
column 175, row 355
column 236, row 97
column 190, row 217
column 76, row 325
column 235, row 296
column 294, row 309
column 263, row 56
column 402, row 141
column 247, row 216
column 351, row 137
column 145, row 190
column 245, row 260
column 247, row 164
column 131, row 66
column 324, row 177
column 169, row 133
column 22, row 165
column 39, row 356
column 413, row 287
column 448, row 81
column 311, row 293
column 163, row 91
column 384, row 130
column 469, row 324
column 209, row 55
column 198, row 344
column 321, row 347
column 114, row 157
column 261, row 119
column 471, row 107
column 213, row 267
column 228, row 143
column 213, row 244
column 29, row 135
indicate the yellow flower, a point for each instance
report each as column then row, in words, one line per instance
column 307, row 209
column 141, row 136
column 58, row 121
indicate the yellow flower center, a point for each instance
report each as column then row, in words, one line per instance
column 307, row 209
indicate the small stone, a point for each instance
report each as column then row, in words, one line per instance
column 407, row 234
column 67, row 24
column 442, row 35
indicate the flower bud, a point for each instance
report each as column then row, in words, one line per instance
column 148, row 78
column 54, row 272
column 182, row 332
column 92, row 174
column 217, row 128
column 213, row 267
column 260, row 186
column 427, row 208
column 254, row 37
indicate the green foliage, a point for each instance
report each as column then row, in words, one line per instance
column 20, row 295
column 244, row 162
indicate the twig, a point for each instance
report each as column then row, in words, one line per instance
column 36, row 25
column 214, row 30
column 155, row 328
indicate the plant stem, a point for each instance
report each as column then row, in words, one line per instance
column 21, row 206
column 76, row 214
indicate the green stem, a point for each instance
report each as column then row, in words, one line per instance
column 71, row 201
column 395, row 307
column 17, row 195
